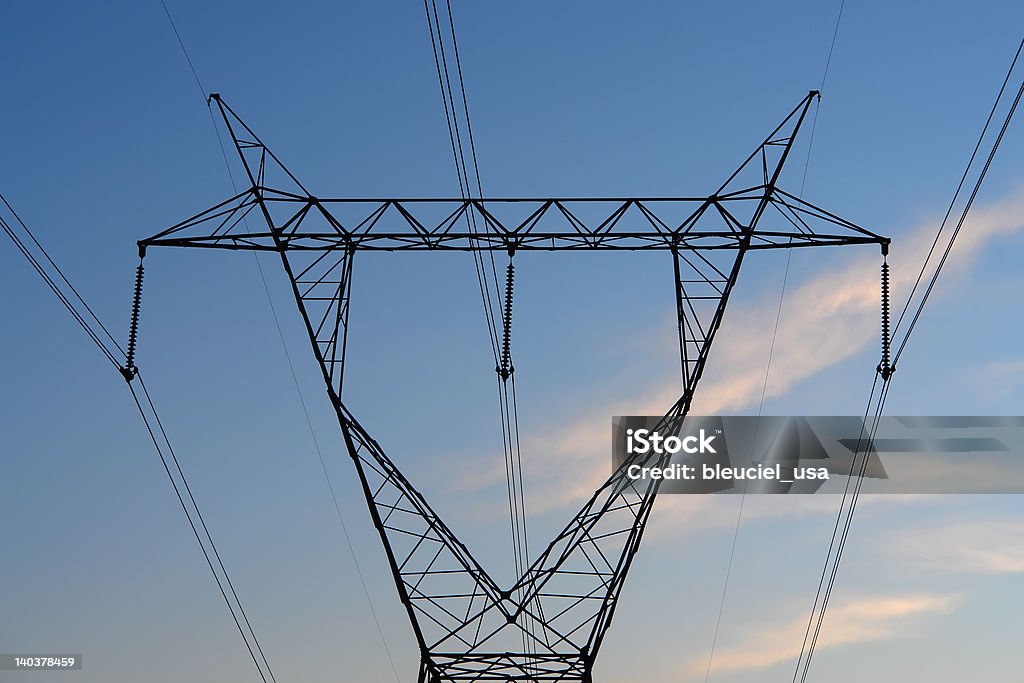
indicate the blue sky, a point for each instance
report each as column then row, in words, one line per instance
column 106, row 140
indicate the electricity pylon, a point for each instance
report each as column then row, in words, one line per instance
column 549, row 625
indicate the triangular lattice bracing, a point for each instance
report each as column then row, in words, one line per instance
column 550, row 624
column 703, row 283
column 322, row 282
column 453, row 602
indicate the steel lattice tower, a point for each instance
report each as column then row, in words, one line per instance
column 549, row 625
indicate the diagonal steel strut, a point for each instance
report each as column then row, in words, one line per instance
column 550, row 624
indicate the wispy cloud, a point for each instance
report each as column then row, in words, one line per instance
column 834, row 315
column 987, row 547
column 828, row 318
column 846, row 623
column 676, row 516
column 1000, row 377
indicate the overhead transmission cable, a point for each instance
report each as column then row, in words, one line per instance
column 454, row 99
column 505, row 371
column 846, row 513
column 151, row 420
column 967, row 207
column 108, row 346
column 192, row 512
column 288, row 358
column 771, row 352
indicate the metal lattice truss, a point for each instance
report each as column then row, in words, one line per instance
column 550, row 624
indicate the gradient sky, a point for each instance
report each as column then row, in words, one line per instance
column 106, row 140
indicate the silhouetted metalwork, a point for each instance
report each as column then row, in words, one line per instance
column 550, row 624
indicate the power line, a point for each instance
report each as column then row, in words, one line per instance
column 839, row 539
column 191, row 507
column 771, row 354
column 970, row 201
column 204, row 539
column 181, row 44
column 451, row 119
column 327, row 478
column 508, row 408
column 288, row 358
column 956, row 194
column 111, row 350
column 835, row 535
column 832, row 45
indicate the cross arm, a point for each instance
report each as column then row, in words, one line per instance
column 514, row 224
